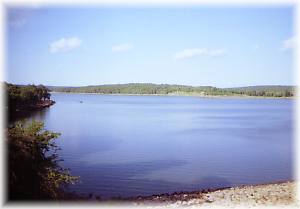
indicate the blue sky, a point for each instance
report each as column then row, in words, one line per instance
column 216, row 46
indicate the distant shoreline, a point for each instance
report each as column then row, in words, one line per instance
column 184, row 95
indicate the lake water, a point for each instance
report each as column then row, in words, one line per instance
column 144, row 145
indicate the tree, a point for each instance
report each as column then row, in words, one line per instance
column 43, row 92
column 34, row 172
column 25, row 97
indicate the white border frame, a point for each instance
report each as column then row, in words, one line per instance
column 133, row 3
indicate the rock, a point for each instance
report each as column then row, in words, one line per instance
column 272, row 194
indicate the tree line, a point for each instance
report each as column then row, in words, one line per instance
column 25, row 97
column 166, row 89
column 33, row 168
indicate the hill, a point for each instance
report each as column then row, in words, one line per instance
column 167, row 89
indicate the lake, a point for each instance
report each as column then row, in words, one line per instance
column 143, row 145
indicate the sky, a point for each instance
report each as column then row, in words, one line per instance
column 197, row 45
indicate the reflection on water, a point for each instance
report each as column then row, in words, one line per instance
column 143, row 145
column 35, row 114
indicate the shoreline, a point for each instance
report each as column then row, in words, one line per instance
column 273, row 193
column 183, row 95
column 170, row 198
column 38, row 106
column 18, row 113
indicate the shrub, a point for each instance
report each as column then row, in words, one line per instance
column 33, row 165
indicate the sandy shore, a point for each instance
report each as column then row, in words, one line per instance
column 275, row 194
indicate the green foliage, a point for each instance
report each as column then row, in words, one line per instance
column 33, row 164
column 266, row 91
column 25, row 97
column 165, row 89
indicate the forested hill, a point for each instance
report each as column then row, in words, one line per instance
column 166, row 89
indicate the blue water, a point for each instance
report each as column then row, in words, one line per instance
column 143, row 145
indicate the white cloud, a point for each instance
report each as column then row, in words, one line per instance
column 65, row 44
column 194, row 52
column 189, row 53
column 289, row 44
column 122, row 47
column 217, row 52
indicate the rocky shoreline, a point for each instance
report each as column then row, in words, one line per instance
column 280, row 193
column 43, row 104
